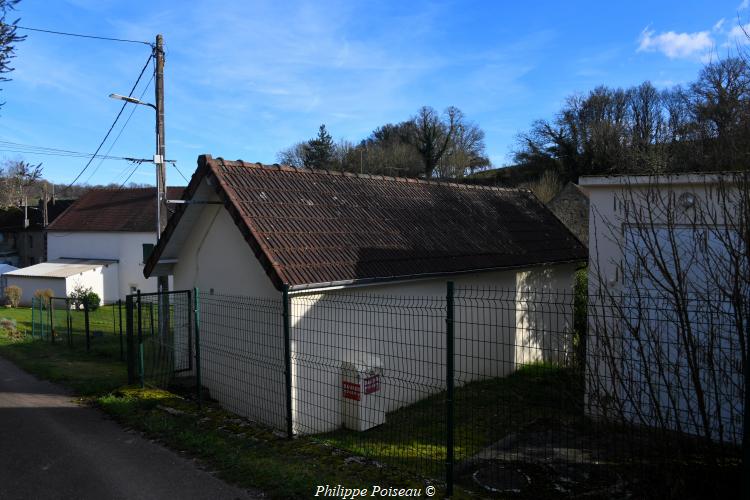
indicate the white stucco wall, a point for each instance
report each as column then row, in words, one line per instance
column 500, row 325
column 217, row 257
column 93, row 279
column 30, row 284
column 241, row 335
column 125, row 247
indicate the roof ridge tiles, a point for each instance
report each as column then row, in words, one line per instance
column 324, row 171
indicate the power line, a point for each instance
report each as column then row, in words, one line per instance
column 113, row 123
column 129, row 176
column 112, row 145
column 14, row 147
column 84, row 36
column 180, row 172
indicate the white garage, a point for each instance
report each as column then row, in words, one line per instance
column 62, row 276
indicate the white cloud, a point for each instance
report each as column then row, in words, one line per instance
column 738, row 35
column 720, row 23
column 677, row 45
column 744, row 5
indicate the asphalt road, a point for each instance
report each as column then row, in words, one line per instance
column 51, row 447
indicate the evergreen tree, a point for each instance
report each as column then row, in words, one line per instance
column 319, row 152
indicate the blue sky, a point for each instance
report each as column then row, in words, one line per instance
column 245, row 79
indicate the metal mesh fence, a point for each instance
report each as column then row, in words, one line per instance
column 69, row 322
column 543, row 392
column 162, row 329
column 242, row 355
column 369, row 374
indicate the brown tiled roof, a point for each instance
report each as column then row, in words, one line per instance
column 318, row 227
column 126, row 210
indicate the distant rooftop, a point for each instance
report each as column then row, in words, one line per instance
column 117, row 210
column 60, row 268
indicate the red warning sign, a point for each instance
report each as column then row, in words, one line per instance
column 372, row 384
column 351, row 390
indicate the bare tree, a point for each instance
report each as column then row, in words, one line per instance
column 293, row 156
column 17, row 177
column 466, row 151
column 432, row 135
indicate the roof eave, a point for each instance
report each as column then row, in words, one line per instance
column 352, row 283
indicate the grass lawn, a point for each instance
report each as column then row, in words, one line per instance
column 103, row 327
column 484, row 412
column 88, row 374
column 242, row 453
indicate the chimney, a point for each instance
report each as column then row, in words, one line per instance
column 53, row 194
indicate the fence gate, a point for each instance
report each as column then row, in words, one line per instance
column 159, row 337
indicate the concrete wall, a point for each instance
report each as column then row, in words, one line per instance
column 126, row 248
column 571, row 206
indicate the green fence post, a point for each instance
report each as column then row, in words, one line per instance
column 42, row 320
column 190, row 318
column 449, row 324
column 86, row 323
column 51, row 325
column 129, row 339
column 141, row 366
column 40, row 317
column 69, row 323
column 197, row 315
column 33, row 325
column 119, row 323
column 287, row 359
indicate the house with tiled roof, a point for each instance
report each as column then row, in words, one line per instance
column 252, row 229
column 108, row 231
column 257, row 231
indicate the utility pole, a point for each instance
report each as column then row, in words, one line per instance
column 161, row 172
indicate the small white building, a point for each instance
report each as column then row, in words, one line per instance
column 371, row 242
column 667, row 276
column 117, row 225
column 64, row 276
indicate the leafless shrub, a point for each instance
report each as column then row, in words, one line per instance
column 546, row 187
column 13, row 295
column 669, row 321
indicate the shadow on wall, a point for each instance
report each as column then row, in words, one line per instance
column 404, row 334
column 544, row 315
